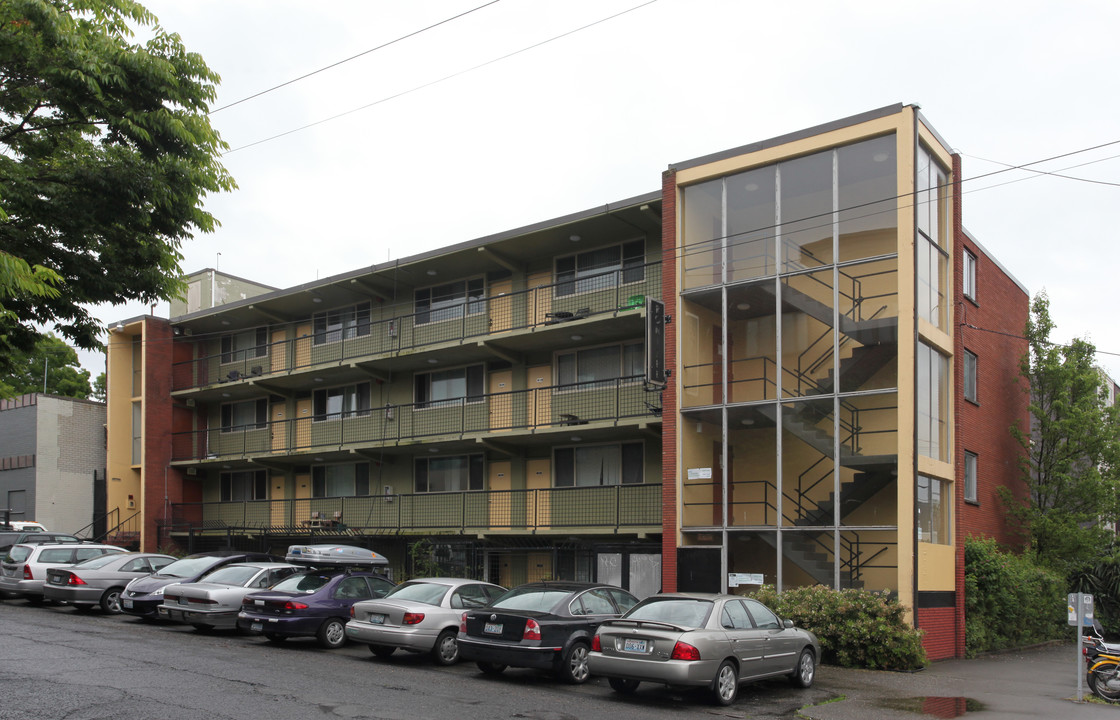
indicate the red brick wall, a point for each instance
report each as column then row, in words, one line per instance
column 940, row 625
column 669, row 397
column 157, row 426
column 991, row 327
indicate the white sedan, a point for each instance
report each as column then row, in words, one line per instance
column 419, row 616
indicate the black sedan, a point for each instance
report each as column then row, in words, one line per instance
column 143, row 596
column 545, row 625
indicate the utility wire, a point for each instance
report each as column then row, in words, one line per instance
column 352, row 57
column 437, row 81
column 1054, row 174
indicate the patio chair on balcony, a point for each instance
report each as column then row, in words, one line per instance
column 235, row 375
column 256, row 370
column 560, row 316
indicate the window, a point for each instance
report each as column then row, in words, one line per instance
column 341, row 402
column 587, row 466
column 442, row 388
column 341, row 324
column 933, row 403
column 934, row 502
column 137, row 433
column 247, row 415
column 600, row 268
column 933, row 224
column 969, row 276
column 446, row 302
column 244, row 345
column 762, row 616
column 970, row 494
column 599, row 364
column 348, row 480
column 969, row 376
column 246, row 485
column 449, row 474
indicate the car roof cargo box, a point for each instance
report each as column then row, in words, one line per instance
column 329, row 554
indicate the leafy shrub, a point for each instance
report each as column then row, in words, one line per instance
column 1101, row 578
column 1008, row 600
column 856, row 628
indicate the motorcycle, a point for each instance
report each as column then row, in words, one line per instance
column 1102, row 662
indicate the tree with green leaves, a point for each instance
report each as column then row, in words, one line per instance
column 106, row 156
column 52, row 363
column 1072, row 461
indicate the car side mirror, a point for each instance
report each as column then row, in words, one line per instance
column 787, row 623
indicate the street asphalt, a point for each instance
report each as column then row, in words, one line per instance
column 1038, row 682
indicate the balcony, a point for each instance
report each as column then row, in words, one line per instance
column 588, row 403
column 602, row 508
column 602, row 295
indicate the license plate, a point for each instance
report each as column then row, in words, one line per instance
column 259, row 603
column 255, row 627
column 377, row 619
column 493, row 628
column 183, row 600
column 127, row 603
column 634, row 646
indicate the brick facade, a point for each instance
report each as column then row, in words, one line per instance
column 669, row 398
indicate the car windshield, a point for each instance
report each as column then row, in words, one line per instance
column 421, row 592
column 99, row 561
column 188, row 567
column 677, row 611
column 306, row 583
column 18, row 553
column 533, row 598
column 232, row 575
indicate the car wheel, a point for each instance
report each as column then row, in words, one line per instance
column 725, row 686
column 446, row 649
column 382, row 651
column 805, row 671
column 624, row 686
column 490, row 668
column 275, row 638
column 111, row 601
column 332, row 633
column 573, row 664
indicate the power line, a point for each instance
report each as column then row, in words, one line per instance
column 1054, row 174
column 437, row 81
column 352, row 57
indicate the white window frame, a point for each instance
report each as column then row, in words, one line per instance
column 969, row 281
column 971, row 368
column 971, row 474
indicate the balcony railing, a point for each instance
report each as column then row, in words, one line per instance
column 493, row 413
column 599, row 507
column 608, row 292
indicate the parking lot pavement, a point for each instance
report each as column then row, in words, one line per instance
column 1035, row 683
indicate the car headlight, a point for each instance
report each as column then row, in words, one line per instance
column 158, row 592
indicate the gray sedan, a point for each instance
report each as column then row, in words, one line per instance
column 419, row 616
column 100, row 581
column 215, row 600
column 705, row 640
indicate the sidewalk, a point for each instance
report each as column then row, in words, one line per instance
column 1036, row 683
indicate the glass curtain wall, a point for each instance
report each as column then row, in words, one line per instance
column 789, row 365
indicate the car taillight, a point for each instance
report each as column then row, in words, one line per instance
column 27, row 573
column 463, row 623
column 412, row 618
column 532, row 630
column 74, row 580
column 203, row 601
column 352, row 611
column 684, row 651
column 248, row 602
column 596, row 645
column 294, row 606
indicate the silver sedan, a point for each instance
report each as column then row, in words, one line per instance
column 215, row 600
column 702, row 639
column 100, row 580
column 419, row 616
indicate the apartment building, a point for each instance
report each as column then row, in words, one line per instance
column 825, row 411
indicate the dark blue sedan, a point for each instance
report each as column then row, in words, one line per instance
column 312, row 604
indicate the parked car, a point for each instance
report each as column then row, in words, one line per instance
column 419, row 616
column 214, row 601
column 31, row 537
column 545, row 625
column 705, row 640
column 27, row 526
column 101, row 580
column 24, row 569
column 316, row 603
column 142, row 596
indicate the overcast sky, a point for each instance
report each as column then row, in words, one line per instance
column 596, row 115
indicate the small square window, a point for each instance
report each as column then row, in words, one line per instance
column 969, row 283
